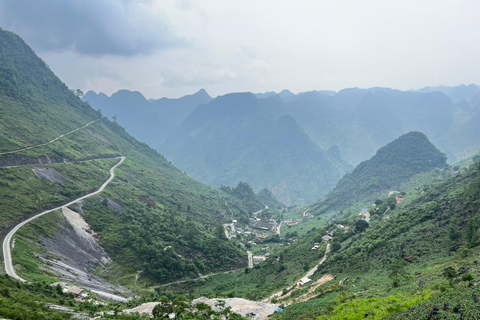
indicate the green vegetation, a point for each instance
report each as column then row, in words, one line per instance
column 374, row 308
column 391, row 166
column 169, row 225
column 238, row 137
column 270, row 200
column 25, row 194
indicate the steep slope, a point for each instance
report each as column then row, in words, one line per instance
column 359, row 121
column 393, row 164
column 238, row 137
column 424, row 256
column 31, row 96
column 269, row 199
column 152, row 216
column 151, row 121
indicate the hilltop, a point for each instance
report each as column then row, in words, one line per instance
column 151, row 121
column 392, row 165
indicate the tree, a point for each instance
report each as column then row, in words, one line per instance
column 361, row 225
column 449, row 273
column 78, row 93
column 397, row 270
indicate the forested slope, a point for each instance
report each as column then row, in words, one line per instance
column 166, row 223
column 392, row 165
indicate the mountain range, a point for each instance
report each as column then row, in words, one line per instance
column 315, row 137
column 168, row 238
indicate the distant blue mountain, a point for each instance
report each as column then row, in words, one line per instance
column 150, row 121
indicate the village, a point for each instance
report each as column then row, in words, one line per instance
column 268, row 231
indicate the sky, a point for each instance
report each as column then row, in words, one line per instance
column 170, row 48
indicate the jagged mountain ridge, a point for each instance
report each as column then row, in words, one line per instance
column 238, row 137
column 151, row 121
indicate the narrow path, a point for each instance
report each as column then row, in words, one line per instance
column 43, row 144
column 196, row 279
column 6, row 242
column 54, row 163
column 305, row 212
column 255, row 213
column 309, row 274
column 279, row 227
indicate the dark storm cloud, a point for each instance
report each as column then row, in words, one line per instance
column 90, row 27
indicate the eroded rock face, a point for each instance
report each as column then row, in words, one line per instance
column 50, row 174
column 77, row 253
column 246, row 308
column 253, row 309
column 115, row 204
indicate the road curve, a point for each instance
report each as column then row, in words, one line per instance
column 7, row 256
column 255, row 213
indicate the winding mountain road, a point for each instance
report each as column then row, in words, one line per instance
column 6, row 242
column 43, row 144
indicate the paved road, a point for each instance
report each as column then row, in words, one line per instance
column 314, row 269
column 42, row 144
column 266, row 207
column 250, row 259
column 279, row 227
column 309, row 273
column 6, row 242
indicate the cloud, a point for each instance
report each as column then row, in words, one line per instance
column 90, row 27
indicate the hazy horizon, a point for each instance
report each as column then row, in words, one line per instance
column 174, row 48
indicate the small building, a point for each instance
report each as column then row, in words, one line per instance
column 304, row 281
column 76, row 291
column 258, row 258
column 234, row 221
column 327, row 238
column 399, row 200
column 258, row 236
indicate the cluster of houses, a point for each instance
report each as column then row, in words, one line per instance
column 290, row 222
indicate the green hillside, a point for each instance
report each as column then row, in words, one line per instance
column 392, row 165
column 161, row 206
column 437, row 232
column 269, row 199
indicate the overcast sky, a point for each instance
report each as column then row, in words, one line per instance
column 170, row 48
